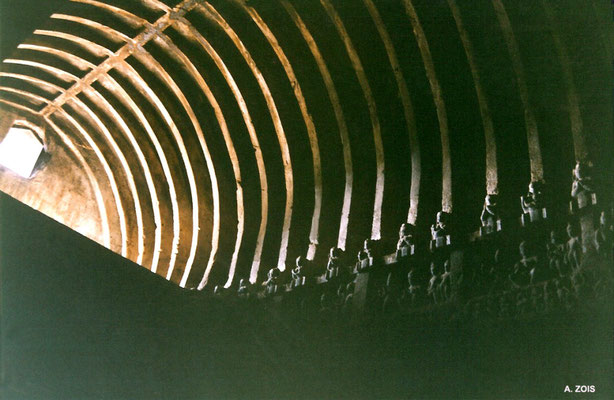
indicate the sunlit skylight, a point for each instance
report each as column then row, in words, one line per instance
column 19, row 151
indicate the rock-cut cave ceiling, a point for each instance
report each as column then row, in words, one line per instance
column 211, row 140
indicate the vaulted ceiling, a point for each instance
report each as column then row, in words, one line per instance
column 211, row 140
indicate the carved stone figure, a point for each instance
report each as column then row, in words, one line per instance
column 534, row 203
column 521, row 275
column 440, row 231
column 272, row 281
column 555, row 250
column 490, row 214
column 433, row 288
column 349, row 297
column 298, row 273
column 243, row 290
column 440, row 228
column 272, row 276
column 604, row 235
column 340, row 297
column 554, row 245
column 534, row 199
column 574, row 246
column 582, row 180
column 365, row 256
column 367, row 250
column 333, row 267
column 445, row 289
column 389, row 295
column 406, row 239
column 415, row 293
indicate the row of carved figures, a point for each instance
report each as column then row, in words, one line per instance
column 534, row 204
column 554, row 260
column 564, row 266
column 548, row 278
column 546, row 275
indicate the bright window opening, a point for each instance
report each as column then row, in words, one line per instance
column 20, row 150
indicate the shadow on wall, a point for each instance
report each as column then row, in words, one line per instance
column 78, row 321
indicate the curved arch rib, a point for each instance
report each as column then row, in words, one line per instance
column 575, row 116
column 408, row 111
column 91, row 177
column 26, row 122
column 129, row 176
column 87, row 45
column 102, row 102
column 21, row 120
column 126, row 16
column 211, row 13
column 104, row 220
column 148, row 60
column 489, row 134
column 34, row 97
column 535, row 155
column 112, row 85
column 116, row 60
column 339, row 117
column 19, row 107
column 174, row 50
column 377, row 135
column 110, row 176
column 185, row 28
column 311, row 129
column 73, row 60
column 57, row 72
column 44, row 85
column 107, row 32
column 102, row 51
column 140, row 83
column 429, row 66
column 85, row 65
column 131, row 46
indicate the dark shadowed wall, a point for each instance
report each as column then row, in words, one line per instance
column 80, row 322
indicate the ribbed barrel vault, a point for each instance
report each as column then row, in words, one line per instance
column 212, row 140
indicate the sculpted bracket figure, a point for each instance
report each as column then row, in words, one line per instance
column 298, row 273
column 365, row 256
column 271, row 282
column 582, row 188
column 440, row 231
column 405, row 245
column 243, row 290
column 490, row 215
column 334, row 267
column 534, row 203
